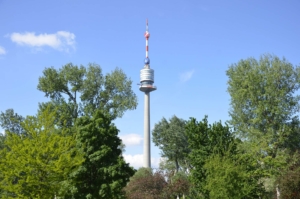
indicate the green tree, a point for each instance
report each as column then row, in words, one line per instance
column 263, row 101
column 11, row 121
column 2, row 139
column 263, row 107
column 104, row 173
column 171, row 138
column 232, row 176
column 289, row 179
column 80, row 91
column 63, row 112
column 37, row 165
column 205, row 140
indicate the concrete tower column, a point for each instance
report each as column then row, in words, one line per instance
column 147, row 139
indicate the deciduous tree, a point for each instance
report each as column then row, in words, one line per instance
column 104, row 172
column 204, row 141
column 264, row 107
column 37, row 165
column 232, row 176
column 264, row 102
column 11, row 121
column 150, row 184
column 146, row 184
column 80, row 90
column 171, row 138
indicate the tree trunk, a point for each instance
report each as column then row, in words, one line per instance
column 277, row 192
column 177, row 165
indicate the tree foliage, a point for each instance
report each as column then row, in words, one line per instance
column 38, row 164
column 264, row 102
column 11, row 121
column 2, row 139
column 171, row 138
column 71, row 148
column 104, row 173
column 232, row 176
column 146, row 184
column 289, row 179
column 156, row 185
column 80, row 91
column 204, row 141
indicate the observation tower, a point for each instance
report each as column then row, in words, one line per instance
column 146, row 86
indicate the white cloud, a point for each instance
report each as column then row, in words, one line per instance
column 186, row 76
column 60, row 40
column 134, row 160
column 2, row 51
column 137, row 160
column 131, row 139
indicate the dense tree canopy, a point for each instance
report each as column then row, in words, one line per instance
column 150, row 184
column 232, row 176
column 289, row 179
column 170, row 137
column 70, row 148
column 264, row 107
column 80, row 91
column 146, row 184
column 104, row 173
column 38, row 164
column 205, row 140
column 264, row 101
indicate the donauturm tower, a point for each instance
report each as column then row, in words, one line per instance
column 146, row 86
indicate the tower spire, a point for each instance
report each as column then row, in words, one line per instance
column 147, row 35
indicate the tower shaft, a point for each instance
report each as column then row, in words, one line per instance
column 147, row 158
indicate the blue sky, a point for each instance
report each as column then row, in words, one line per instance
column 191, row 46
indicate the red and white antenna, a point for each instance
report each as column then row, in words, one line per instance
column 147, row 35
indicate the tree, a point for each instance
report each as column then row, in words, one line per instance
column 11, row 121
column 37, row 165
column 104, row 173
column 263, row 100
column 150, row 184
column 146, row 184
column 2, row 139
column 64, row 117
column 80, row 91
column 205, row 140
column 289, row 179
column 232, row 176
column 178, row 185
column 171, row 138
column 263, row 107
